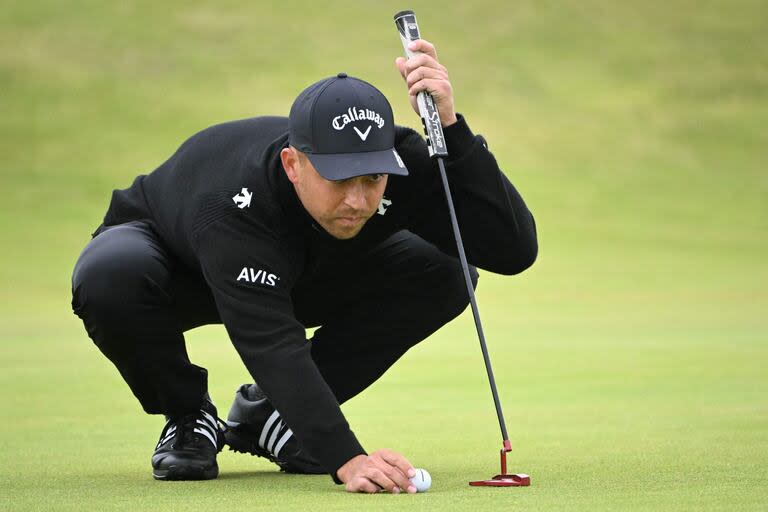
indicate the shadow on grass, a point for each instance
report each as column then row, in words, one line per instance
column 144, row 477
column 266, row 475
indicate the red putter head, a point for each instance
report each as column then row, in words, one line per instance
column 516, row 480
column 504, row 480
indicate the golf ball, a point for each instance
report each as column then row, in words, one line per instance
column 422, row 481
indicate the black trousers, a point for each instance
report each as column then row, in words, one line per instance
column 136, row 301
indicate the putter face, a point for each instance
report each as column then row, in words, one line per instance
column 516, row 480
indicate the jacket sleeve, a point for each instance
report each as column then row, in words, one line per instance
column 251, row 283
column 498, row 230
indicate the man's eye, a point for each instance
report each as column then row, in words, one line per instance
column 375, row 177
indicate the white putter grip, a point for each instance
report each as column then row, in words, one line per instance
column 405, row 21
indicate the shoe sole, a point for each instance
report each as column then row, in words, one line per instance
column 242, row 444
column 186, row 472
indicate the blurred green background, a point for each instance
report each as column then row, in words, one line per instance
column 631, row 358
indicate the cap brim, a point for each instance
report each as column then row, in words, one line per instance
column 341, row 166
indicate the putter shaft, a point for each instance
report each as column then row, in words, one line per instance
column 473, row 303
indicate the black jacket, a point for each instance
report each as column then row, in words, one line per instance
column 223, row 205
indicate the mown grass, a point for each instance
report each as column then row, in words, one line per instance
column 630, row 358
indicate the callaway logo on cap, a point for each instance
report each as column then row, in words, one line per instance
column 346, row 128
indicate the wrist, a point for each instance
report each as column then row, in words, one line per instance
column 344, row 472
column 449, row 120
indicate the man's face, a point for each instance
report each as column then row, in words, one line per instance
column 341, row 207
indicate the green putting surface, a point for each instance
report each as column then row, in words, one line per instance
column 631, row 359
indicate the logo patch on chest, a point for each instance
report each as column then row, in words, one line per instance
column 243, row 199
column 383, row 205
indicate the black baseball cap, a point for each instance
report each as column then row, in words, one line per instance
column 346, row 128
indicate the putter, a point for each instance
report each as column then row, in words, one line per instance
column 405, row 21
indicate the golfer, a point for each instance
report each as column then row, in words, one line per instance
column 332, row 217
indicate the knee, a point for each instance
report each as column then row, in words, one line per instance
column 94, row 288
column 453, row 294
column 104, row 289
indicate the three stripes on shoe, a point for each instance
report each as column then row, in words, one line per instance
column 206, row 425
column 281, row 430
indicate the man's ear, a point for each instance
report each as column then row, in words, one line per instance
column 291, row 163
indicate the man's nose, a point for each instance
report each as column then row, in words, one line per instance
column 355, row 196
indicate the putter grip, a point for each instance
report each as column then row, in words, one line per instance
column 405, row 21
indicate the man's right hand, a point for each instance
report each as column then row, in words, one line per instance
column 382, row 470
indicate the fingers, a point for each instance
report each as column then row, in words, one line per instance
column 373, row 483
column 359, row 484
column 400, row 462
column 400, row 63
column 395, row 468
column 424, row 61
column 372, row 479
column 427, row 58
column 383, row 470
column 423, row 46
column 439, row 89
column 432, row 81
column 423, row 72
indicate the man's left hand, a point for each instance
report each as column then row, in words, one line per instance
column 423, row 72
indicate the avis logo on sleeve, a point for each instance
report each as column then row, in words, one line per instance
column 260, row 276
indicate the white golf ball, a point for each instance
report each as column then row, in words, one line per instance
column 422, row 481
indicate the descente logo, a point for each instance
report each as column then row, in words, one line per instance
column 357, row 114
column 251, row 275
